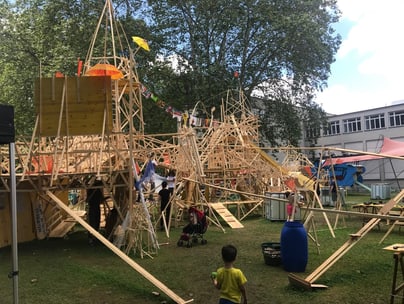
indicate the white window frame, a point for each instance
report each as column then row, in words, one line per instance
column 375, row 121
column 333, row 128
column 396, row 118
column 352, row 125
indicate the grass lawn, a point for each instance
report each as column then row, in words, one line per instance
column 70, row 271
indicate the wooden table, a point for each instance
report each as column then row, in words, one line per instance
column 368, row 208
column 398, row 254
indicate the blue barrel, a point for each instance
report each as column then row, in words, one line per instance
column 294, row 247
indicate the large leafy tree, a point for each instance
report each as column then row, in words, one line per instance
column 41, row 37
column 284, row 48
column 288, row 45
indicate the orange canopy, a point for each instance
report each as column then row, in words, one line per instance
column 105, row 69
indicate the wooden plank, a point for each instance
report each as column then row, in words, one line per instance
column 39, row 219
column 177, row 299
column 241, row 202
column 66, row 225
column 62, row 229
column 299, row 282
column 226, row 215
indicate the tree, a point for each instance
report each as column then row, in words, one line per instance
column 282, row 46
column 273, row 42
column 39, row 38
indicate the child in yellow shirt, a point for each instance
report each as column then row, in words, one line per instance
column 229, row 280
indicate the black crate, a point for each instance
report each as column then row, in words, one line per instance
column 272, row 253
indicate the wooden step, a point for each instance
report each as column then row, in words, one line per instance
column 62, row 229
column 65, row 225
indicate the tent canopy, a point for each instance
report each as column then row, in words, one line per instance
column 390, row 148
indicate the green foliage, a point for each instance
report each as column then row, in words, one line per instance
column 283, row 47
column 39, row 38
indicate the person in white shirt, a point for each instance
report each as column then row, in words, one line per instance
column 171, row 181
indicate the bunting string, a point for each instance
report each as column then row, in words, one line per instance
column 187, row 120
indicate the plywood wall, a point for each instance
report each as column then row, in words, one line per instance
column 73, row 105
column 25, row 224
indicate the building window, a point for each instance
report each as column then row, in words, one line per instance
column 333, row 128
column 312, row 132
column 375, row 122
column 352, row 125
column 396, row 118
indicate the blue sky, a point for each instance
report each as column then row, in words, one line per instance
column 368, row 71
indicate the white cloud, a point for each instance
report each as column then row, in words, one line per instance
column 375, row 42
column 338, row 99
column 376, row 35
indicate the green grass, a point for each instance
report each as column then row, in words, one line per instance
column 69, row 271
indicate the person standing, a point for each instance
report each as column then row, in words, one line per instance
column 230, row 280
column 290, row 207
column 171, row 181
column 294, row 201
column 164, row 194
column 95, row 197
column 334, row 189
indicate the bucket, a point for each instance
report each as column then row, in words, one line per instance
column 272, row 253
column 294, row 246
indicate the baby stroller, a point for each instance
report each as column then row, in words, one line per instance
column 195, row 229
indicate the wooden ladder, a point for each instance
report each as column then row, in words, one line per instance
column 180, row 207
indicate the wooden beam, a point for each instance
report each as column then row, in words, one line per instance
column 119, row 253
column 357, row 152
column 234, row 190
column 369, row 215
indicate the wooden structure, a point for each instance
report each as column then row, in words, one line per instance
column 91, row 127
column 88, row 128
column 309, row 281
column 397, row 211
column 398, row 255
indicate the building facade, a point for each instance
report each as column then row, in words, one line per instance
column 365, row 131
